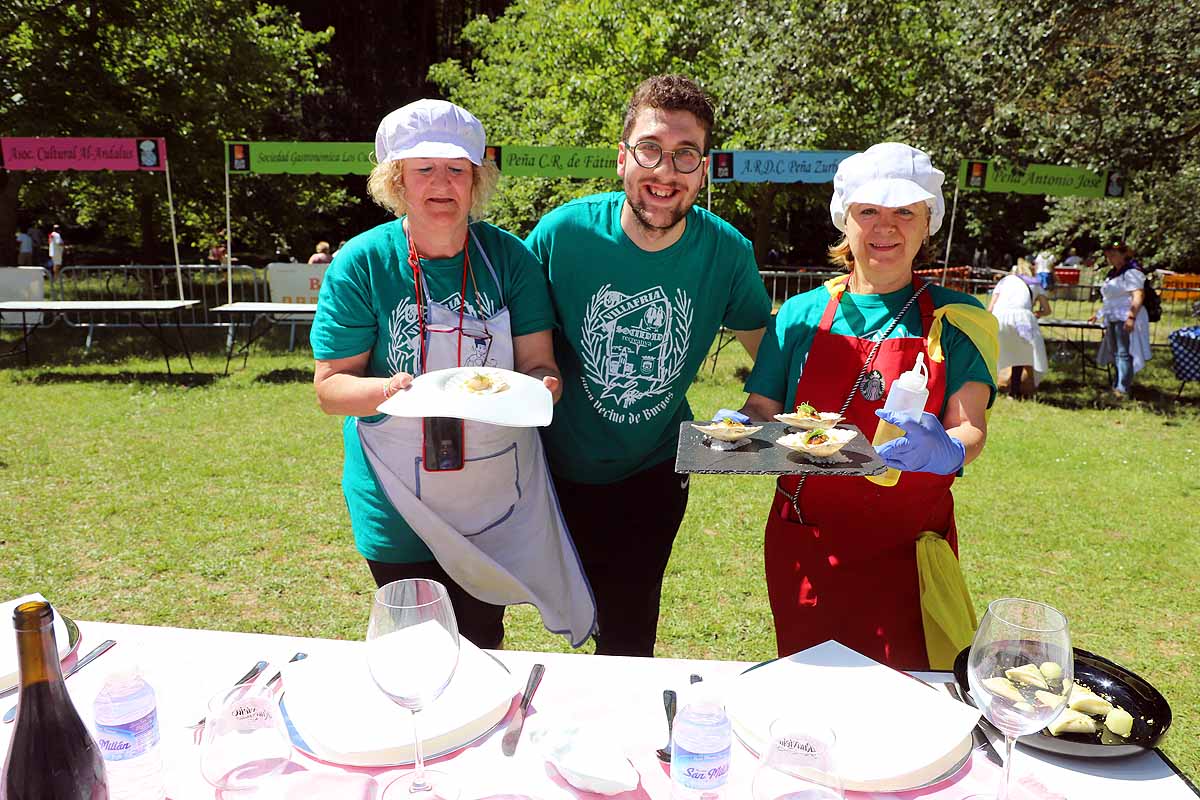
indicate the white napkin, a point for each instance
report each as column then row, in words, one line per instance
column 9, row 667
column 342, row 715
column 586, row 755
column 526, row 403
column 893, row 732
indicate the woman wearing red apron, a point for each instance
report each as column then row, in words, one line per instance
column 841, row 552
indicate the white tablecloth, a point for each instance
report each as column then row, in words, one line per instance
column 187, row 666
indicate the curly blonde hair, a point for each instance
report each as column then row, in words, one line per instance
column 386, row 186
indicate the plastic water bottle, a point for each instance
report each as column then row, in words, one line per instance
column 126, row 718
column 700, row 749
column 908, row 393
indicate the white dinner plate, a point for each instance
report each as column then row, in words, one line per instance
column 526, row 403
column 454, row 743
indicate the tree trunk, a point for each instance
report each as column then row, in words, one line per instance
column 153, row 280
column 764, row 213
column 146, row 203
column 10, row 183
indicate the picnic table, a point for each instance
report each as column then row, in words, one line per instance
column 251, row 313
column 138, row 309
column 187, row 666
column 1080, row 327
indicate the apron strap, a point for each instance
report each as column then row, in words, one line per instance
column 487, row 262
column 831, row 309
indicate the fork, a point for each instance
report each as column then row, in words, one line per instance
column 198, row 728
column 253, row 673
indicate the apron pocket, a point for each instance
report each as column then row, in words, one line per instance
column 476, row 498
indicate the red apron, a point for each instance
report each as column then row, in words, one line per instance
column 851, row 573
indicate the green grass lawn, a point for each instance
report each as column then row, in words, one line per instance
column 213, row 502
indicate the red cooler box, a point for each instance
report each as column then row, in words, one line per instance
column 1066, row 276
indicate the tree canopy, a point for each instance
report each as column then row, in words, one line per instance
column 1074, row 82
column 1084, row 83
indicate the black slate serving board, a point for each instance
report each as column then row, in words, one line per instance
column 763, row 457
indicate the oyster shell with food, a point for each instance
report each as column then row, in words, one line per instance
column 478, row 382
column 727, row 429
column 806, row 417
column 817, row 442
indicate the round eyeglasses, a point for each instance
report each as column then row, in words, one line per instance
column 649, row 154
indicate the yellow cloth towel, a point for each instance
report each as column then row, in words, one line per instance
column 946, row 611
column 977, row 323
column 837, row 284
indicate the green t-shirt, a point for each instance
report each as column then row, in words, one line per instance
column 368, row 303
column 785, row 346
column 634, row 327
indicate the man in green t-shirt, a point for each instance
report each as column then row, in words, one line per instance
column 641, row 281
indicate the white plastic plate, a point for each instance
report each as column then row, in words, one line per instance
column 526, row 403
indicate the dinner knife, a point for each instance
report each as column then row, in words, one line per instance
column 981, row 740
column 100, row 650
column 508, row 745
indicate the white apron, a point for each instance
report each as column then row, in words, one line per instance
column 495, row 525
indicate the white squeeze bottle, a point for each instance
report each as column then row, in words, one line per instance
column 700, row 747
column 908, row 393
column 126, row 717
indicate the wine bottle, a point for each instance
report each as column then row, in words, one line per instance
column 51, row 755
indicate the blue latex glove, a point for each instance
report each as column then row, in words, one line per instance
column 726, row 413
column 925, row 447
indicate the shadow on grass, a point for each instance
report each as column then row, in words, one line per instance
column 289, row 375
column 1156, row 397
column 123, row 377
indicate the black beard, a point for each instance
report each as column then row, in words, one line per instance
column 643, row 218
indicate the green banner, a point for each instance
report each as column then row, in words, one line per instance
column 300, row 158
column 555, row 162
column 355, row 158
column 1047, row 179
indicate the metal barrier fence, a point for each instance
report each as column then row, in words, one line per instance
column 1068, row 301
column 203, row 282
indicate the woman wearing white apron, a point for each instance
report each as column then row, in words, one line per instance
column 465, row 503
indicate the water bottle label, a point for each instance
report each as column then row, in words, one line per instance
column 700, row 770
column 130, row 740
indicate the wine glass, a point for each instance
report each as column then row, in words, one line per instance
column 412, row 652
column 245, row 742
column 1020, row 670
column 799, row 763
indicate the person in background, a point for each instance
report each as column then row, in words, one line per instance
column 321, row 256
column 465, row 503
column 57, row 249
column 24, row 249
column 1126, row 323
column 39, row 241
column 217, row 252
column 841, row 553
column 1018, row 301
column 337, row 250
column 642, row 280
column 1044, row 265
column 1073, row 258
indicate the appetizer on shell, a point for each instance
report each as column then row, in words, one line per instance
column 727, row 430
column 478, row 382
column 806, row 417
column 818, row 442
